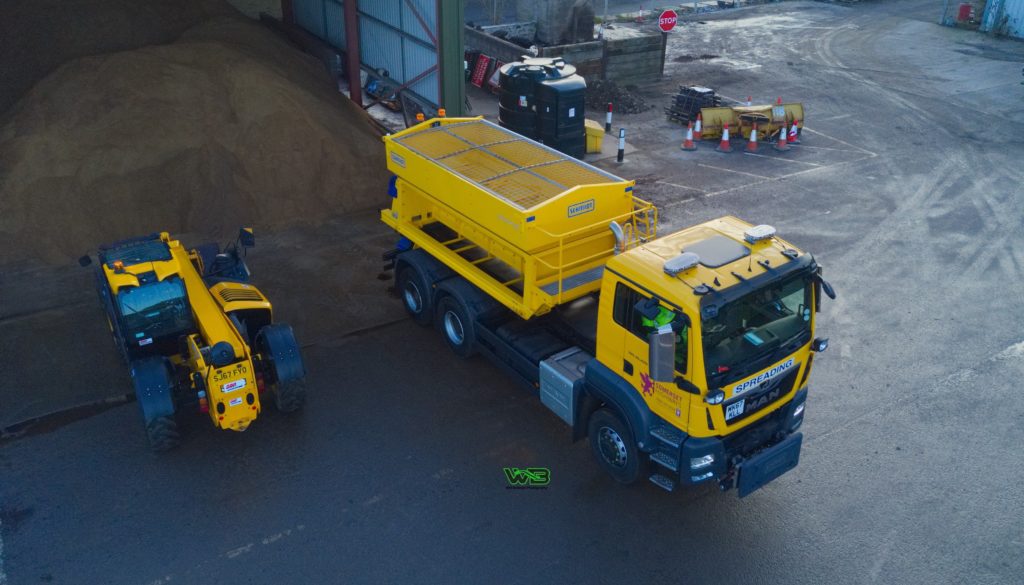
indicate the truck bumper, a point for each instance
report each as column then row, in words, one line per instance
column 752, row 457
column 760, row 469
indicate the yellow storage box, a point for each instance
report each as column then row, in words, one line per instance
column 595, row 136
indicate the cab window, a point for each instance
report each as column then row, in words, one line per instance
column 626, row 315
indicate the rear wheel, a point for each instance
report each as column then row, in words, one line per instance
column 613, row 446
column 162, row 433
column 282, row 366
column 289, row 396
column 456, row 326
column 415, row 294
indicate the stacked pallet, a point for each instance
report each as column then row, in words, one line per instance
column 688, row 102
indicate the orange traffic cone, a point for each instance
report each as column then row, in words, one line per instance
column 794, row 132
column 782, row 145
column 698, row 129
column 688, row 143
column 778, row 102
column 724, row 145
column 752, row 143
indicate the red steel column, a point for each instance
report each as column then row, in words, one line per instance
column 355, row 90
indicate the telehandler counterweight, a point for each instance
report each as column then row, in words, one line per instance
column 689, row 353
column 195, row 334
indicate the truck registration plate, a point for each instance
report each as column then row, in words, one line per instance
column 735, row 409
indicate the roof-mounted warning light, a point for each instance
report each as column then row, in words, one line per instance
column 759, row 233
column 680, row 263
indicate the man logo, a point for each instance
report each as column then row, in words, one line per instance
column 527, row 477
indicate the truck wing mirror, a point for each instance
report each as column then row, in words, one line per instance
column 246, row 237
column 85, row 261
column 661, row 356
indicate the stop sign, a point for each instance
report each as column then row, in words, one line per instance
column 667, row 20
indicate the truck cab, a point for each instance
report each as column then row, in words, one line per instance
column 736, row 354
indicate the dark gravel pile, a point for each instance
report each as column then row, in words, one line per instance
column 625, row 101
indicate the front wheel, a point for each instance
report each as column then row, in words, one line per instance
column 613, row 446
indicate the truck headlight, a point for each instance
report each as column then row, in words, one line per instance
column 715, row 397
column 701, row 462
column 701, row 477
column 798, row 411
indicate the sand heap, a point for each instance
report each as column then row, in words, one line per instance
column 226, row 126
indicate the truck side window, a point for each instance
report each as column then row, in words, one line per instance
column 625, row 314
column 626, row 299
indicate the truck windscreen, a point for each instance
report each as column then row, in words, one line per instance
column 155, row 309
column 750, row 333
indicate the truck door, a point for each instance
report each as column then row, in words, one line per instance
column 664, row 399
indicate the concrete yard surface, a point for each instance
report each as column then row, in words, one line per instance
column 908, row 188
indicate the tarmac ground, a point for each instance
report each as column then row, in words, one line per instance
column 907, row 187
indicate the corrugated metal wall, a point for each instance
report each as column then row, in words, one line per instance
column 1004, row 17
column 394, row 35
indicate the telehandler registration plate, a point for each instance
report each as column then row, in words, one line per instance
column 735, row 409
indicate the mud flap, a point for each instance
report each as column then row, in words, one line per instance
column 154, row 388
column 281, row 352
column 768, row 465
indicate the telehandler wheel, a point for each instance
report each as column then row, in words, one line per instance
column 415, row 295
column 154, row 392
column 614, row 447
column 289, row 396
column 284, row 369
column 163, row 434
column 456, row 326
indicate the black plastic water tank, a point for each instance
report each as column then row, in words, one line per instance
column 543, row 99
column 516, row 100
column 560, row 108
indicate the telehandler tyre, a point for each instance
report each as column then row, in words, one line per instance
column 163, row 434
column 154, row 392
column 284, row 367
column 289, row 396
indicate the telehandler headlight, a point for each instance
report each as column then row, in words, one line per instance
column 701, row 462
column 798, row 411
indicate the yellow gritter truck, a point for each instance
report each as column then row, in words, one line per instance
column 684, row 358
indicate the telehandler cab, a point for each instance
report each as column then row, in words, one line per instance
column 195, row 334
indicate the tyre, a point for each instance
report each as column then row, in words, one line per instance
column 162, row 433
column 415, row 295
column 289, row 396
column 613, row 446
column 456, row 326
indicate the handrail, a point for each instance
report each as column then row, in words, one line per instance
column 638, row 230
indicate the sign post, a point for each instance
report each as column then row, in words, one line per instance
column 666, row 22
